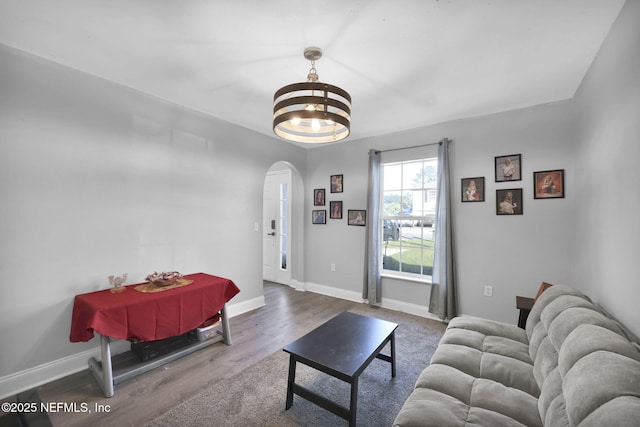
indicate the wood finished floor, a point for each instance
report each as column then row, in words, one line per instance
column 287, row 315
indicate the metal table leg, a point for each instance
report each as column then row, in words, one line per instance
column 103, row 372
column 226, row 331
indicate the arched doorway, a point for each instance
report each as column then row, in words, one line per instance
column 282, row 208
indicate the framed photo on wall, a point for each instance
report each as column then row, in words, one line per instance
column 319, row 216
column 318, row 197
column 509, row 201
column 473, row 189
column 335, row 210
column 357, row 217
column 509, row 168
column 337, row 183
column 548, row 184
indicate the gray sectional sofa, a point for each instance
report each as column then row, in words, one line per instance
column 572, row 366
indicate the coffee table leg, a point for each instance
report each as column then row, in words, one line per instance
column 354, row 402
column 393, row 354
column 290, row 381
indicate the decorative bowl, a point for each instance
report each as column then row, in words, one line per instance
column 164, row 282
column 164, row 279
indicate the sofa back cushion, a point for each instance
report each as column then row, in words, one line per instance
column 586, row 368
column 601, row 378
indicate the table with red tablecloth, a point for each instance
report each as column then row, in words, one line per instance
column 148, row 316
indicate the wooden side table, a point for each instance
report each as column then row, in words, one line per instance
column 524, row 304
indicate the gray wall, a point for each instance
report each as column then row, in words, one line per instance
column 607, row 241
column 513, row 254
column 588, row 239
column 97, row 179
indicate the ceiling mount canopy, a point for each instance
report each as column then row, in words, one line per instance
column 311, row 111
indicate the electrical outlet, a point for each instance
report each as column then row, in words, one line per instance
column 488, row 291
column 333, row 267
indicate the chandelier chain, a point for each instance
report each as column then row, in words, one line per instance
column 313, row 74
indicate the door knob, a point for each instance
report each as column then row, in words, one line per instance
column 273, row 233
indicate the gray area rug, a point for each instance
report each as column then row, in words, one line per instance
column 256, row 396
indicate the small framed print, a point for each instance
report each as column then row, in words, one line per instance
column 548, row 184
column 509, row 201
column 318, row 197
column 357, row 217
column 337, row 183
column 335, row 210
column 319, row 216
column 473, row 189
column 509, row 168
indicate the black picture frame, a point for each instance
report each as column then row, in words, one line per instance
column 509, row 201
column 472, row 189
column 357, row 217
column 319, row 216
column 548, row 184
column 335, row 209
column 319, row 197
column 336, row 183
column 508, row 168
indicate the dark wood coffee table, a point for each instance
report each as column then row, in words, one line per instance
column 342, row 347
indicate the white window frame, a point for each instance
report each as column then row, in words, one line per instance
column 423, row 213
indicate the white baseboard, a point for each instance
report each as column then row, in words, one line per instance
column 406, row 307
column 239, row 308
column 29, row 378
column 391, row 304
column 334, row 292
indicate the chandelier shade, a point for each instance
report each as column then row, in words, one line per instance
column 312, row 111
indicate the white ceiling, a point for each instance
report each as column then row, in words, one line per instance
column 406, row 63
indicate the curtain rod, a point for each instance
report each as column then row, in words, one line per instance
column 413, row 146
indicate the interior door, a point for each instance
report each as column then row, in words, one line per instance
column 276, row 227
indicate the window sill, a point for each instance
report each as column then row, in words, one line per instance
column 425, row 281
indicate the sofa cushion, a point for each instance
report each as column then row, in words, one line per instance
column 600, row 367
column 489, row 328
column 445, row 396
column 589, row 338
column 447, row 380
column 620, row 412
column 599, row 378
column 572, row 366
column 572, row 317
column 545, row 362
column 488, row 349
column 513, row 404
column 551, row 403
column 430, row 408
column 545, row 298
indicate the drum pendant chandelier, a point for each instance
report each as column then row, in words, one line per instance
column 311, row 111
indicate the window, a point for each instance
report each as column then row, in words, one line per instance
column 408, row 215
column 283, row 225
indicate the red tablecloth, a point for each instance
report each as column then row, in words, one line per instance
column 150, row 316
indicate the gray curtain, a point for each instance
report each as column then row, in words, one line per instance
column 443, row 302
column 372, row 289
